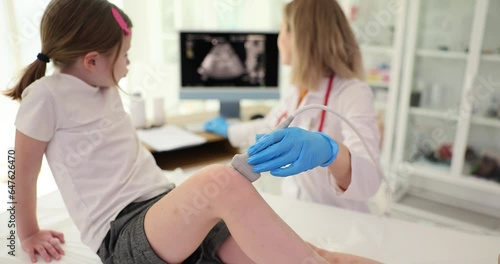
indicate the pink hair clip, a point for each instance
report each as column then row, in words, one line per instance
column 121, row 22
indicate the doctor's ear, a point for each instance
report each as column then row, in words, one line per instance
column 90, row 61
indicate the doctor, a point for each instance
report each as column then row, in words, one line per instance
column 327, row 160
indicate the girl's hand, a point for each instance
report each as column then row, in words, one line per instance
column 46, row 243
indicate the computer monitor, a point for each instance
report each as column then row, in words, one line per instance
column 229, row 66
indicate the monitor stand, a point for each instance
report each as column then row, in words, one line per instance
column 230, row 109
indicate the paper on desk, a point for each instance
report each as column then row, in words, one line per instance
column 169, row 137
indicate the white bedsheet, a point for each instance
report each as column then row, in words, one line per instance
column 384, row 239
column 52, row 214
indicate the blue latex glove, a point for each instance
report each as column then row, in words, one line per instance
column 301, row 149
column 217, row 125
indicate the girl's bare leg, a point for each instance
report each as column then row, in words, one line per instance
column 230, row 253
column 334, row 257
column 176, row 225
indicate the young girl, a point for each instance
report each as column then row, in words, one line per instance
column 326, row 69
column 125, row 209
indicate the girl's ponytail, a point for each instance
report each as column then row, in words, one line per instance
column 33, row 72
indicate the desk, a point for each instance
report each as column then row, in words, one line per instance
column 380, row 238
column 215, row 149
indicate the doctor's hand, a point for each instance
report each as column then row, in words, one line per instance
column 302, row 150
column 217, row 125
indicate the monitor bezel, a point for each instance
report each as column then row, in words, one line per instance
column 221, row 92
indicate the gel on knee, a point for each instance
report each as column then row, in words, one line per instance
column 240, row 163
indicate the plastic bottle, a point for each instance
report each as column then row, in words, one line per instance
column 158, row 111
column 138, row 111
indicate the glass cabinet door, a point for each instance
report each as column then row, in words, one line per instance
column 439, row 33
column 482, row 156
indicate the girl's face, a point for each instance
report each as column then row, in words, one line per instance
column 103, row 69
column 285, row 44
column 122, row 61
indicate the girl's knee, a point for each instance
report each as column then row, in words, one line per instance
column 223, row 175
column 220, row 180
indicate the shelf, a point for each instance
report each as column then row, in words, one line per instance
column 486, row 121
column 468, row 192
column 417, row 111
column 491, row 57
column 379, row 84
column 427, row 168
column 442, row 54
column 444, row 219
column 442, row 173
column 377, row 49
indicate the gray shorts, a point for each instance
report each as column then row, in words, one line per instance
column 126, row 240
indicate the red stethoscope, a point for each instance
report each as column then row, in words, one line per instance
column 284, row 115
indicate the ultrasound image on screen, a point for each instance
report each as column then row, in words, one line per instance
column 229, row 59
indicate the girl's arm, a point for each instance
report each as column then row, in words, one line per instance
column 29, row 154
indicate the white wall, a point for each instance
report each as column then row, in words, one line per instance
column 8, row 108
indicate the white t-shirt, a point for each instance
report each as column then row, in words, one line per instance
column 94, row 153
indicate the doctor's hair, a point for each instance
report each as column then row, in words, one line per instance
column 322, row 43
column 70, row 29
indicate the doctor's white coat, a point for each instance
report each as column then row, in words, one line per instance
column 352, row 99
